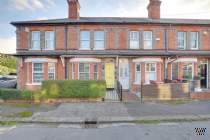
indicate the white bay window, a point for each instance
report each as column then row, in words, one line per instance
column 188, row 70
column 38, row 73
column 138, row 74
column 84, row 71
column 151, row 74
column 95, row 71
column 51, row 71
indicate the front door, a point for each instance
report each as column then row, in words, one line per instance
column 110, row 75
column 124, row 73
column 203, row 74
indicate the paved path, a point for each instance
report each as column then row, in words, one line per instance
column 167, row 131
column 103, row 112
column 127, row 109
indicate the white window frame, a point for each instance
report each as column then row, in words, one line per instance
column 51, row 72
column 172, row 71
column 95, row 72
column 50, row 40
column 84, row 40
column 102, row 40
column 148, row 40
column 33, row 40
column 73, row 71
column 150, row 71
column 197, row 40
column 181, row 38
column 192, row 64
column 103, row 71
column 83, row 72
column 132, row 38
column 137, row 82
column 37, row 83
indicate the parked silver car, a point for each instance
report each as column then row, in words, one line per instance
column 9, row 81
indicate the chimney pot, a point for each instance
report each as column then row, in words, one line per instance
column 154, row 9
column 74, row 9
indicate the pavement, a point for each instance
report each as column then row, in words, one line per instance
column 113, row 112
column 162, row 131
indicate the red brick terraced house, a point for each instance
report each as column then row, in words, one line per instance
column 133, row 51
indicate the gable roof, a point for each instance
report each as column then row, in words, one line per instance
column 113, row 20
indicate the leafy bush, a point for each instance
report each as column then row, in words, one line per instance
column 8, row 61
column 7, row 64
column 73, row 89
column 14, row 94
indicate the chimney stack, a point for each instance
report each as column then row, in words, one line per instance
column 74, row 9
column 154, row 9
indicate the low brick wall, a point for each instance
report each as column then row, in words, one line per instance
column 166, row 91
column 200, row 96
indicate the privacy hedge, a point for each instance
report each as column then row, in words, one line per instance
column 14, row 94
column 74, row 89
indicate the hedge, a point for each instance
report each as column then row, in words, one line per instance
column 73, row 89
column 58, row 89
column 14, row 94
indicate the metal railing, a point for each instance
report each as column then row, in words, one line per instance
column 119, row 90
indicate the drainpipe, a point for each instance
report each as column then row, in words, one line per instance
column 117, row 69
column 66, row 49
column 166, row 58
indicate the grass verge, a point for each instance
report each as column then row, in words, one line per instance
column 8, row 123
column 24, row 105
column 25, row 114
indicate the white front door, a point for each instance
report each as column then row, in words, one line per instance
column 124, row 73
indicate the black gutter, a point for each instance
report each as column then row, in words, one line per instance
column 106, row 23
column 168, row 54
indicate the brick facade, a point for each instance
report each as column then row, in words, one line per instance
column 116, row 46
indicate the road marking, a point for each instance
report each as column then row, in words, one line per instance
column 168, row 124
column 6, row 129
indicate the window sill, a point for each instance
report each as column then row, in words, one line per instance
column 34, row 49
column 33, row 84
column 48, row 49
column 85, row 49
column 135, row 83
column 134, row 48
column 98, row 49
column 148, row 49
column 193, row 48
column 181, row 48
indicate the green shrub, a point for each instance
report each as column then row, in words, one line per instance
column 25, row 114
column 73, row 89
column 14, row 94
column 8, row 94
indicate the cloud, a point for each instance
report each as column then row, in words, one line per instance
column 138, row 8
column 186, row 9
column 8, row 45
column 42, row 18
column 31, row 4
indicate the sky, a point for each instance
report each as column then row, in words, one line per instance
column 18, row 10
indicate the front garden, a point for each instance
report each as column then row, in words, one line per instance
column 58, row 90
